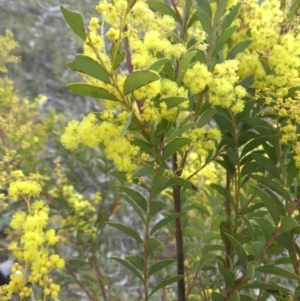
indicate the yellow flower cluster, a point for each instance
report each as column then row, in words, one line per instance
column 91, row 133
column 32, row 249
column 82, row 216
column 204, row 140
column 7, row 44
column 223, row 90
column 260, row 23
column 197, row 78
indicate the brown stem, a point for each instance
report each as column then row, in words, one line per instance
column 80, row 284
column 99, row 277
column 179, row 238
column 228, row 214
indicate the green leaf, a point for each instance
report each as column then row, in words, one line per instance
column 179, row 182
column 171, row 101
column 164, row 9
column 287, row 224
column 220, row 11
column 267, row 201
column 250, row 272
column 238, row 249
column 222, row 39
column 135, row 196
column 184, row 65
column 168, row 219
column 165, row 283
column 126, row 230
column 144, row 146
column 293, row 9
column 205, row 20
column 144, row 171
column 135, row 207
column 154, row 243
column 266, row 287
column 119, row 59
column 92, row 91
column 277, row 271
column 158, row 184
column 174, row 146
column 249, row 228
column 75, row 21
column 272, row 185
column 223, row 192
column 137, row 261
column 239, row 48
column 180, row 130
column 156, row 206
column 254, row 143
column 200, row 207
column 228, row 277
column 89, row 66
column 139, row 79
column 266, row 227
column 247, row 82
column 157, row 266
column 129, row 266
column 217, row 297
column 158, row 64
column 205, row 6
column 191, row 232
column 235, row 296
column 206, row 117
column 127, row 124
column 231, row 16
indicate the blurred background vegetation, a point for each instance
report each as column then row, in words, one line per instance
column 45, row 45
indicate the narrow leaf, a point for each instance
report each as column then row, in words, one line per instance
column 231, row 16
column 126, row 230
column 205, row 6
column 272, row 185
column 129, row 266
column 267, row 164
column 165, row 283
column 75, row 21
column 157, row 266
column 138, row 79
column 168, row 219
column 220, row 11
column 222, row 39
column 156, row 206
column 239, row 48
column 277, row 271
column 205, row 20
column 180, row 130
column 226, row 274
column 158, row 64
column 135, row 196
column 184, row 65
column 137, row 261
column 154, row 243
column 174, row 146
column 267, row 287
column 172, row 101
column 92, row 91
column 238, row 249
column 206, row 117
column 223, row 192
column 164, row 9
column 267, row 201
column 287, row 224
column 158, row 184
column 119, row 59
column 89, row 66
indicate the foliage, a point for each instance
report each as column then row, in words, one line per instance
column 201, row 131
